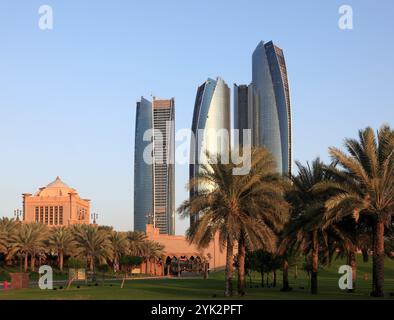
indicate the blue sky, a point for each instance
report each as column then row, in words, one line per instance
column 67, row 95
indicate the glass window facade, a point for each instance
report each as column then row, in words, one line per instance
column 271, row 104
column 143, row 172
column 211, row 111
column 154, row 184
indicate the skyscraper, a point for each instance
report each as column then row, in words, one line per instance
column 154, row 181
column 143, row 171
column 265, row 108
column 211, row 114
column 243, row 115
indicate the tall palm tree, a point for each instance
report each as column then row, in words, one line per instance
column 306, row 229
column 249, row 209
column 119, row 245
column 366, row 189
column 93, row 244
column 62, row 241
column 29, row 240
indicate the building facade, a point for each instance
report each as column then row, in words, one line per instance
column 56, row 205
column 243, row 116
column 178, row 251
column 210, row 124
column 143, row 171
column 264, row 105
column 154, row 180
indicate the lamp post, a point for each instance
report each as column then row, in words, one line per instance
column 18, row 213
column 94, row 218
column 150, row 219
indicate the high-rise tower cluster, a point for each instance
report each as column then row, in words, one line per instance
column 263, row 107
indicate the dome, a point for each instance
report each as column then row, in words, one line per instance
column 55, row 189
column 58, row 183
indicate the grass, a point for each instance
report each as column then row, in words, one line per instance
column 213, row 287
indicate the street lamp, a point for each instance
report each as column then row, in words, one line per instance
column 94, row 217
column 18, row 213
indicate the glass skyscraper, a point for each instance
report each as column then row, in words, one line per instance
column 211, row 114
column 264, row 106
column 154, row 181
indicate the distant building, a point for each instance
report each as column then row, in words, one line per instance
column 264, row 105
column 243, row 116
column 56, row 205
column 143, row 172
column 211, row 116
column 154, row 183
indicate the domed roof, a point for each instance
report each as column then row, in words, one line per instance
column 58, row 183
column 56, row 188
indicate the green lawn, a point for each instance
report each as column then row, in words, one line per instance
column 213, row 288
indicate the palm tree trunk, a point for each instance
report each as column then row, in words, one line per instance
column 285, row 285
column 373, row 259
column 241, row 265
column 315, row 263
column 266, row 279
column 61, row 260
column 26, row 262
column 274, row 279
column 116, row 264
column 32, row 262
column 262, row 278
column 91, row 264
column 378, row 260
column 146, row 265
column 229, row 268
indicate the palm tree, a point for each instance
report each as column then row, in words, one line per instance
column 8, row 228
column 351, row 236
column 246, row 208
column 306, row 229
column 3, row 242
column 366, row 189
column 93, row 243
column 30, row 240
column 119, row 244
column 137, row 245
column 153, row 251
column 62, row 241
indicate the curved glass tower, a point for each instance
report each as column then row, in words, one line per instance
column 271, row 124
column 143, row 172
column 211, row 114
